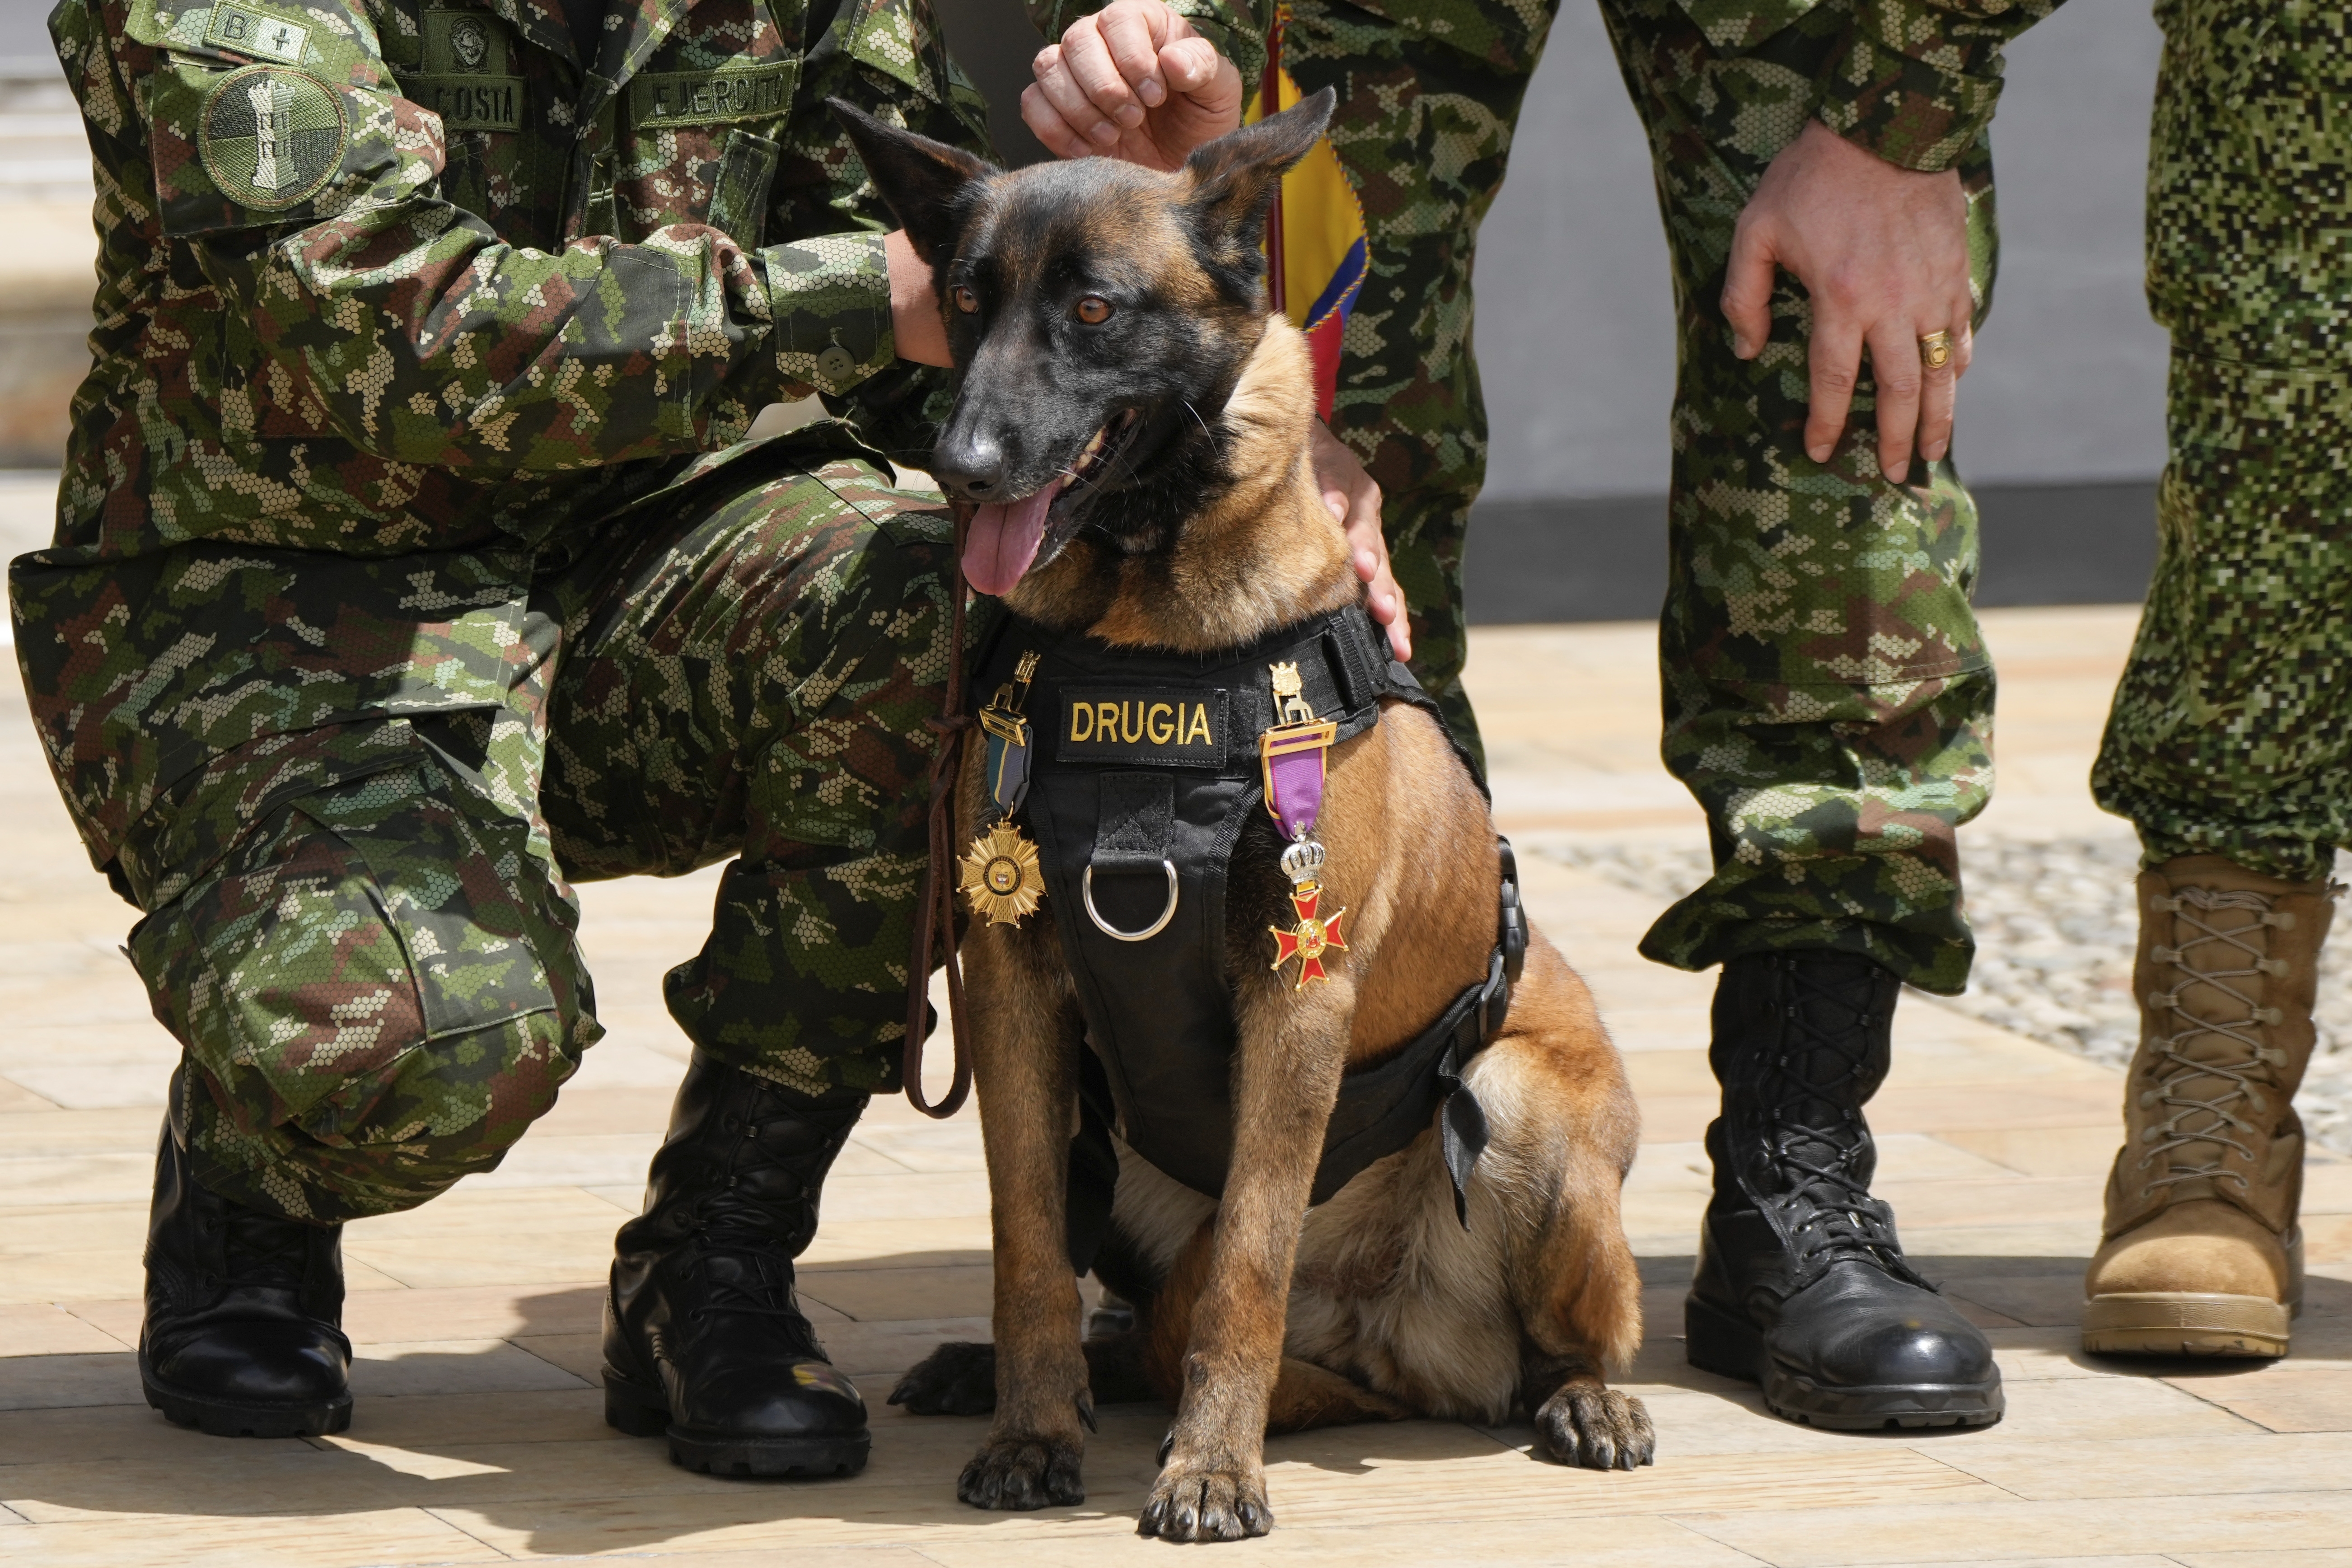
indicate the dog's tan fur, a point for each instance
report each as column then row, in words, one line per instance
column 1379, row 1305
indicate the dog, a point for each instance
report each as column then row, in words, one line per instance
column 1134, row 429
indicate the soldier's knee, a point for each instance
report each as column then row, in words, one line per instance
column 374, row 995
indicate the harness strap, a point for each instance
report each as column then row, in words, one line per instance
column 1435, row 1060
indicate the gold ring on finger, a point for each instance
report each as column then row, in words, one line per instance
column 1935, row 349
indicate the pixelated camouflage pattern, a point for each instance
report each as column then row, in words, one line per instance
column 377, row 989
column 753, row 681
column 1917, row 80
column 368, row 951
column 323, row 450
column 2228, row 733
column 1914, row 81
column 1429, row 93
column 1828, row 698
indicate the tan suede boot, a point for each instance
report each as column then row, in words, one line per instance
column 2201, row 1254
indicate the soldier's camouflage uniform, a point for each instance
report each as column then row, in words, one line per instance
column 1828, row 698
column 410, row 557
column 2232, row 729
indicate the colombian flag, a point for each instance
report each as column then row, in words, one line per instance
column 1313, row 236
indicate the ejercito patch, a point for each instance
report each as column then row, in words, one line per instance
column 270, row 137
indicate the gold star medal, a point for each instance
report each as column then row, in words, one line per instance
column 1000, row 878
column 1311, row 938
column 999, row 875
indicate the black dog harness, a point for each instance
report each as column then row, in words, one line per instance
column 1140, row 771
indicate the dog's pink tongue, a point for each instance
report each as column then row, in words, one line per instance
column 1004, row 539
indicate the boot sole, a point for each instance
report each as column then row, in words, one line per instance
column 640, row 1412
column 1716, row 1341
column 2186, row 1323
column 236, row 1419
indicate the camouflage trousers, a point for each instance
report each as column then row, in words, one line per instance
column 377, row 988
column 1828, row 698
column 2232, row 729
column 1429, row 92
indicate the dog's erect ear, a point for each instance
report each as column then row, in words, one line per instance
column 1235, row 176
column 919, row 178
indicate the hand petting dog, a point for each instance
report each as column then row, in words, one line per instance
column 1135, row 81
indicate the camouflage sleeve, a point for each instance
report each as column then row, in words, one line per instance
column 1917, row 80
column 306, row 187
column 1236, row 26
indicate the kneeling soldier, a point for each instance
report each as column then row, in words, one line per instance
column 411, row 559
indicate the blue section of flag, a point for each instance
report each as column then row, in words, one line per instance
column 1340, row 294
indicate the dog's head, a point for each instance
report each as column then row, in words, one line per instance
column 1100, row 315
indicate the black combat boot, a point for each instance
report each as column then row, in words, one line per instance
column 1801, row 1286
column 703, row 1339
column 243, row 1336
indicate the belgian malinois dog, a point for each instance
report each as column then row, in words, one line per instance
column 1134, row 426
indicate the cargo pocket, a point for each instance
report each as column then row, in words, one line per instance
column 351, row 929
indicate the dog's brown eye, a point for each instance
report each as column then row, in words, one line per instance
column 1094, row 310
column 966, row 301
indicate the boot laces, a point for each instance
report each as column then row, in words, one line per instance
column 748, row 1232
column 262, row 1251
column 1815, row 1141
column 2212, row 1119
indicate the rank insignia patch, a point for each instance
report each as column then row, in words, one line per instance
column 269, row 137
column 252, row 32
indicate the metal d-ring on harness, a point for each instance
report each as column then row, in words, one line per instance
column 1167, row 910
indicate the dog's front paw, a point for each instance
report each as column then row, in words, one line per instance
column 1222, row 1499
column 1599, row 1428
column 1020, row 1473
column 953, row 1380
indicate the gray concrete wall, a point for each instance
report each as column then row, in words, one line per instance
column 1575, row 322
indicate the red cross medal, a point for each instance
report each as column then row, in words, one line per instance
column 1311, row 938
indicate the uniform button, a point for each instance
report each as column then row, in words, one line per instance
column 836, row 363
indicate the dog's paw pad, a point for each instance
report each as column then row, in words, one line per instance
column 953, row 1380
column 1207, row 1502
column 1022, row 1473
column 1598, row 1428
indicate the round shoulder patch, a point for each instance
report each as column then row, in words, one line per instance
column 270, row 137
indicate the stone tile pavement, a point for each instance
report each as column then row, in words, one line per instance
column 479, row 1435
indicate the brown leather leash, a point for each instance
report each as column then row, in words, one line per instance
column 935, row 910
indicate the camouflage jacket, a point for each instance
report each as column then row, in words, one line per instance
column 1914, row 82
column 398, row 298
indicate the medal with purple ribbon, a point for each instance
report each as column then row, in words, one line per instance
column 1292, row 754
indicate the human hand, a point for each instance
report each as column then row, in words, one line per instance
column 1884, row 251
column 917, row 327
column 1354, row 497
column 1133, row 81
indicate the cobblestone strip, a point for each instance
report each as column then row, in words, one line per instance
column 2054, row 928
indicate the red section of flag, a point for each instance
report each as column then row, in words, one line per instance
column 1323, row 344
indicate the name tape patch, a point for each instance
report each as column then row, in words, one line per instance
column 719, row 96
column 1167, row 726
column 468, row 102
column 468, row 77
column 270, row 138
